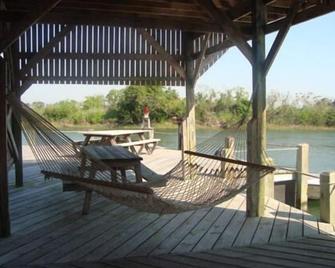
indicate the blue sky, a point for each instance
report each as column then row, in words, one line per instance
column 305, row 63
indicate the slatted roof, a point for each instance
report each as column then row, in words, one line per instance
column 135, row 41
column 189, row 15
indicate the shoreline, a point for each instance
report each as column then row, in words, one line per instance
column 170, row 125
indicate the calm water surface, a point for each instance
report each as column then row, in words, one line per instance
column 282, row 145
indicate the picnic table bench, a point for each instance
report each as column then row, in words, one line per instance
column 124, row 138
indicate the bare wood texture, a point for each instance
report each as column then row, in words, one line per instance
column 301, row 178
column 4, row 204
column 190, row 84
column 233, row 161
column 26, row 22
column 256, row 135
column 170, row 59
column 43, row 53
column 327, row 197
column 228, row 27
column 281, row 35
column 204, row 45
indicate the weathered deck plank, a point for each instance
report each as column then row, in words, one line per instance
column 50, row 229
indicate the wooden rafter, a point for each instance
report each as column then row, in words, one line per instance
column 30, row 19
column 281, row 36
column 210, row 60
column 215, row 49
column 204, row 45
column 228, row 27
column 169, row 58
column 45, row 51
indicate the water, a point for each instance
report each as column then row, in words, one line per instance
column 282, row 145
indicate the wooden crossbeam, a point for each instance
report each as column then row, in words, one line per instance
column 30, row 19
column 210, row 60
column 281, row 35
column 169, row 58
column 228, row 26
column 44, row 51
column 214, row 49
column 204, row 45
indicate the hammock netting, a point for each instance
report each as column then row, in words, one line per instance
column 213, row 172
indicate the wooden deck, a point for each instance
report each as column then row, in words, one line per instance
column 48, row 227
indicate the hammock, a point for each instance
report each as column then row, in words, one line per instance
column 200, row 180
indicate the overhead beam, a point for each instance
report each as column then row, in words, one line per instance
column 228, row 26
column 169, row 58
column 28, row 20
column 44, row 51
column 281, row 35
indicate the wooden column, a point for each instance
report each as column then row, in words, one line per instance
column 257, row 126
column 269, row 182
column 227, row 152
column 301, row 179
column 327, row 197
column 4, row 206
column 190, row 96
column 19, row 160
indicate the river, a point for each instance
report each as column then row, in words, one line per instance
column 281, row 145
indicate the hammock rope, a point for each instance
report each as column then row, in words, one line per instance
column 207, row 180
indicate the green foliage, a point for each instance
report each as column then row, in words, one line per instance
column 163, row 104
column 223, row 109
column 305, row 110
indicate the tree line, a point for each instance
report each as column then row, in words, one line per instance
column 213, row 108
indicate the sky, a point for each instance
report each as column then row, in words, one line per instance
column 305, row 64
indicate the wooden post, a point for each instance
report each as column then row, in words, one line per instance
column 190, row 83
column 19, row 160
column 327, row 197
column 4, row 206
column 301, row 179
column 227, row 152
column 256, row 136
column 269, row 181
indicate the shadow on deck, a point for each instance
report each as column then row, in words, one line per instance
column 48, row 227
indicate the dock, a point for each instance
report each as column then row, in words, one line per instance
column 48, row 230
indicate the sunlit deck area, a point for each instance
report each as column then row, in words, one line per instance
column 48, row 228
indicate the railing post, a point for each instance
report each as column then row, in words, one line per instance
column 301, row 178
column 227, row 152
column 327, row 197
column 269, row 190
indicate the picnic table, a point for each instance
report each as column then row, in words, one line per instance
column 116, row 158
column 129, row 138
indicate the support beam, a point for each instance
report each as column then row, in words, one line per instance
column 327, row 197
column 43, row 53
column 204, row 45
column 228, row 26
column 256, row 137
column 19, row 161
column 281, row 35
column 4, row 205
column 190, row 96
column 169, row 58
column 301, row 178
column 30, row 19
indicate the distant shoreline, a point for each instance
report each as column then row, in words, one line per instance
column 171, row 125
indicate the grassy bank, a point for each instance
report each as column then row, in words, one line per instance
column 172, row 125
